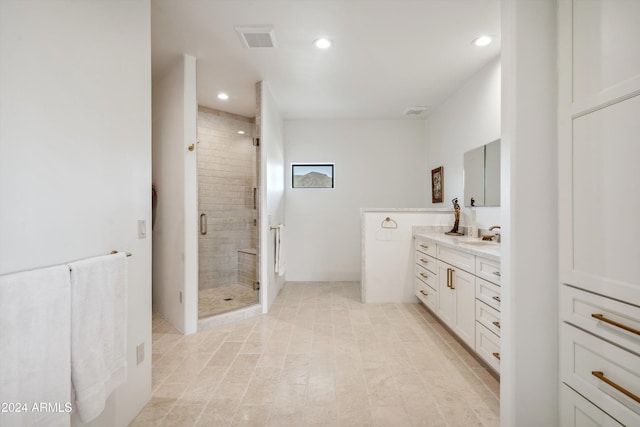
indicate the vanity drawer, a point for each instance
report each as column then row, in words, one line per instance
column 426, row 247
column 488, row 346
column 488, row 317
column 462, row 260
column 576, row 411
column 426, row 294
column 488, row 293
column 426, row 261
column 599, row 371
column 426, row 276
column 488, row 270
column 612, row 317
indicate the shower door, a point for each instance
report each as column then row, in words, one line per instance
column 227, row 199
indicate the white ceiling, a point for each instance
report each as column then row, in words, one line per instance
column 387, row 55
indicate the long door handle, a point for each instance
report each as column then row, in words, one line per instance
column 255, row 198
column 203, row 223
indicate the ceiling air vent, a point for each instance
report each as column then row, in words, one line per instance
column 257, row 37
column 415, row 111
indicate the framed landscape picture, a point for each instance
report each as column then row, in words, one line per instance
column 437, row 185
column 308, row 175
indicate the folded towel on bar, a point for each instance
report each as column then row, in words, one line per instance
column 35, row 336
column 279, row 257
column 98, row 331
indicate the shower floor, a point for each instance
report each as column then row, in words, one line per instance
column 212, row 301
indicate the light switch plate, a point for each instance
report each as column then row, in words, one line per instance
column 140, row 353
column 142, row 229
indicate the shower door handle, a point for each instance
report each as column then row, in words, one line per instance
column 203, row 223
column 255, row 198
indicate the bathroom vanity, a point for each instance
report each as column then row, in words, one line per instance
column 458, row 280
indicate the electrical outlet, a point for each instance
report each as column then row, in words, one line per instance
column 139, row 353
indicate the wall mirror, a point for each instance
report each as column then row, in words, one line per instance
column 482, row 175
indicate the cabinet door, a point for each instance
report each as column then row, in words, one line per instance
column 576, row 411
column 464, row 312
column 603, row 373
column 445, row 294
column 456, row 301
column 598, row 175
column 488, row 347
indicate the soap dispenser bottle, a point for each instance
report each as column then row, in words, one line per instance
column 473, row 228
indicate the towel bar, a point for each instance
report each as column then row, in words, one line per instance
column 115, row 252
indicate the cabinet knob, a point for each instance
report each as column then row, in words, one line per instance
column 424, row 246
column 424, row 293
column 496, row 273
column 496, row 298
column 424, row 275
column 496, row 324
column 496, row 355
column 426, row 261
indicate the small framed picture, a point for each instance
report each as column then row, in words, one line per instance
column 309, row 175
column 437, row 185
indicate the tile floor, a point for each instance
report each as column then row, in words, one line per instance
column 320, row 357
column 211, row 301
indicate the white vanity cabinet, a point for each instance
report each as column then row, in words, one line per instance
column 426, row 274
column 488, row 321
column 463, row 290
column 598, row 128
column 456, row 293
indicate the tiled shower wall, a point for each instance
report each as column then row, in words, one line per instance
column 226, row 182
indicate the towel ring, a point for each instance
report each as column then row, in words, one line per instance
column 389, row 223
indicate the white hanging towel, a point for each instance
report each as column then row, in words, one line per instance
column 35, row 359
column 279, row 259
column 98, row 331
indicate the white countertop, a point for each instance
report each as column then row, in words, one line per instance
column 474, row 246
column 412, row 210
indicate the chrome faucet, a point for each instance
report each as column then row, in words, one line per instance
column 497, row 235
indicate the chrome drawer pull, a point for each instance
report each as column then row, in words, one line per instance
column 496, row 273
column 496, row 298
column 496, row 355
column 424, row 293
column 496, row 324
column 600, row 375
column 614, row 323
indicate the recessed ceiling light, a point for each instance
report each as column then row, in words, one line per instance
column 482, row 41
column 241, row 132
column 223, row 96
column 322, row 43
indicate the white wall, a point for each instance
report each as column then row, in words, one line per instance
column 378, row 163
column 529, row 382
column 468, row 119
column 75, row 152
column 175, row 245
column 388, row 263
column 272, row 211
